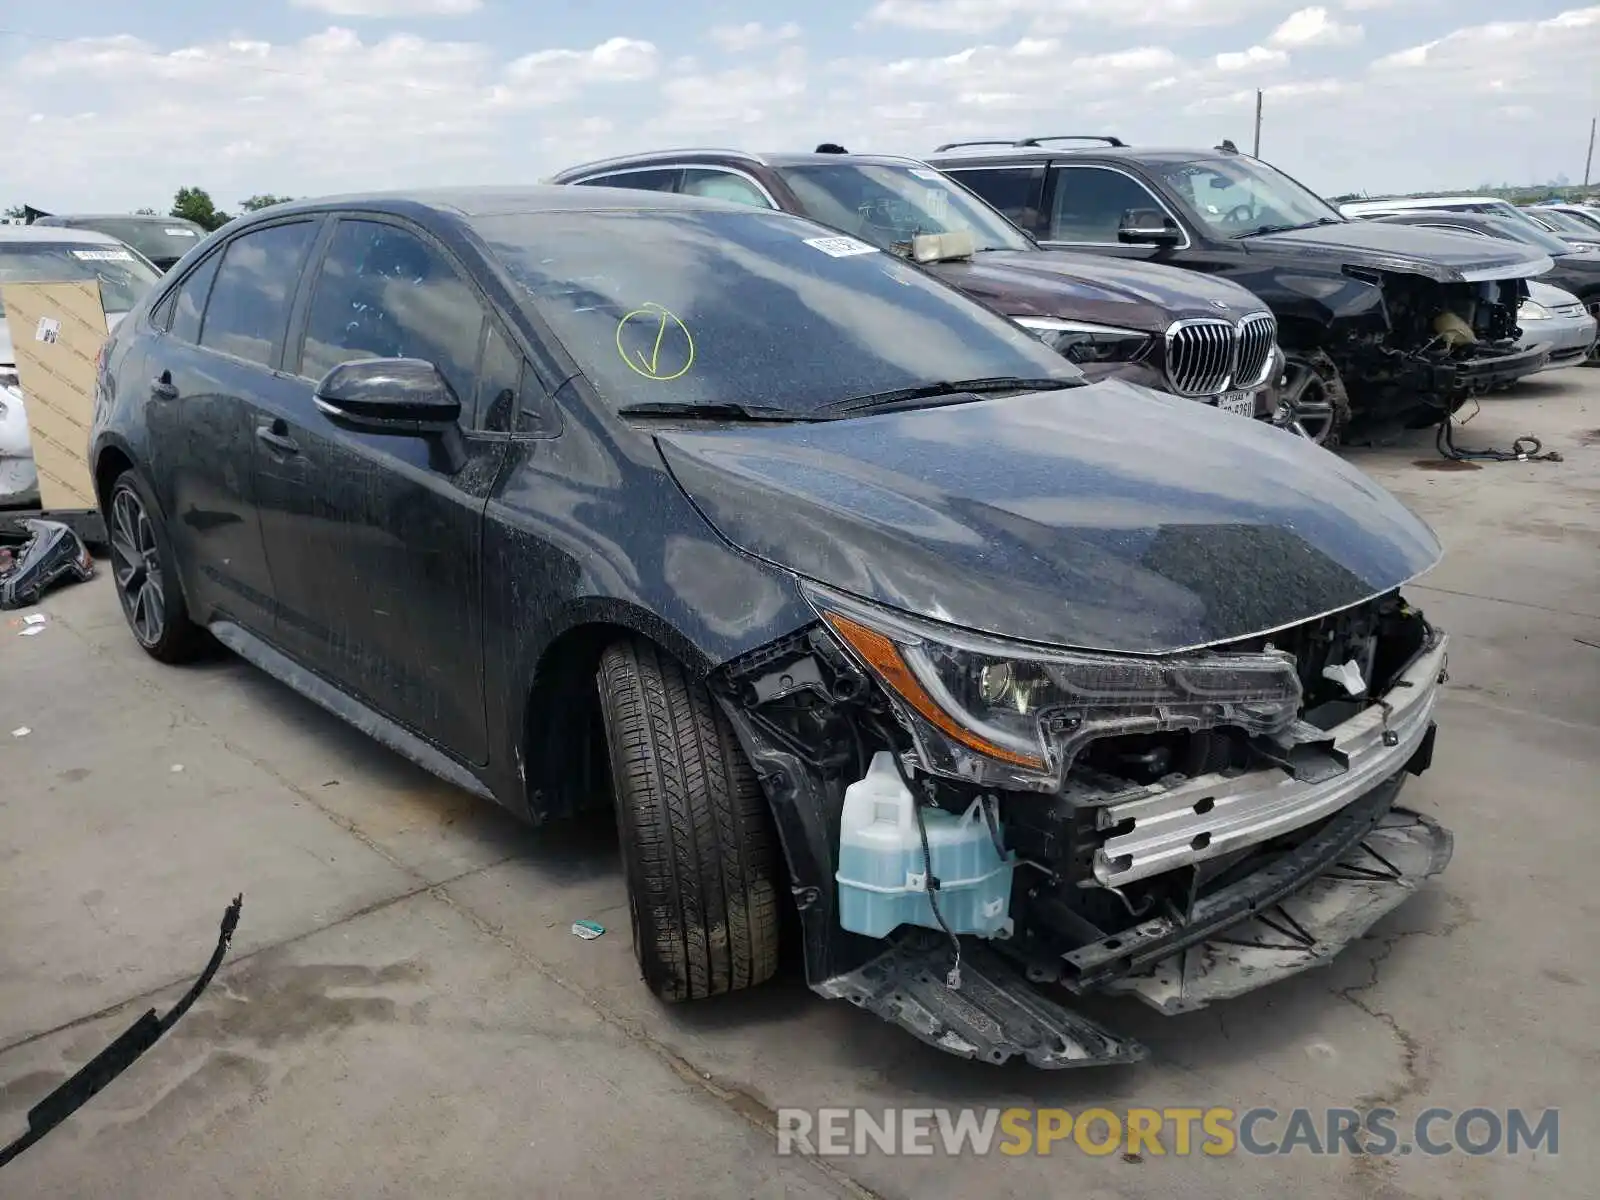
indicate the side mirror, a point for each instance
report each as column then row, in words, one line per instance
column 1148, row 227
column 401, row 397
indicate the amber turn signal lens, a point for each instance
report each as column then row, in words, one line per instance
column 884, row 657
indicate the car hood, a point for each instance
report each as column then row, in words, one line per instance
column 1054, row 283
column 1105, row 517
column 1434, row 253
column 1549, row 295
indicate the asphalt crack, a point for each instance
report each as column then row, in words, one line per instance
column 1416, row 1072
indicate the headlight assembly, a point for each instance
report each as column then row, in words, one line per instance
column 1081, row 342
column 1532, row 310
column 1014, row 715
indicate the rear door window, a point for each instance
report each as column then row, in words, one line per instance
column 190, row 301
column 248, row 310
column 385, row 292
column 722, row 185
column 650, row 179
column 1012, row 190
column 1090, row 202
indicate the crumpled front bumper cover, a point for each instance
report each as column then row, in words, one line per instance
column 1295, row 912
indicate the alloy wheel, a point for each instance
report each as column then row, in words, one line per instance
column 136, row 566
column 1305, row 408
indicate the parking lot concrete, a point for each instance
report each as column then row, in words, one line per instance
column 406, row 1012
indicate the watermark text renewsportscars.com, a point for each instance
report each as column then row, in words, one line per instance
column 1213, row 1132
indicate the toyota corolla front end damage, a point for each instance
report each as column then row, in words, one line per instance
column 1174, row 774
column 1184, row 829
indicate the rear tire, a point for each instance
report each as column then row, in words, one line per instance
column 698, row 845
column 145, row 573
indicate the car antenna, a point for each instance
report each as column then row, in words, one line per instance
column 1228, row 147
column 831, row 148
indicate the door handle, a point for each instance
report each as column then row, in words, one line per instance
column 277, row 436
column 162, row 387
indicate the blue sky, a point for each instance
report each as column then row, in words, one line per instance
column 117, row 104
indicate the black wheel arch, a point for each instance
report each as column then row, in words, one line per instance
column 556, row 727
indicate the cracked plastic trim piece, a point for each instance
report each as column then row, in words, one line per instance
column 994, row 1015
column 1306, row 929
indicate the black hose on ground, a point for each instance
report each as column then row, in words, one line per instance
column 1524, row 449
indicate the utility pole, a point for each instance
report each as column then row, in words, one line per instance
column 1588, row 159
column 1256, row 153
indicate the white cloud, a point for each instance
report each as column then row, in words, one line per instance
column 392, row 8
column 947, row 16
column 339, row 112
column 1256, row 56
column 1313, row 27
column 753, row 35
column 984, row 16
column 550, row 76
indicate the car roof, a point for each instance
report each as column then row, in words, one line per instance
column 724, row 155
column 1167, row 155
column 152, row 218
column 472, row 202
column 56, row 234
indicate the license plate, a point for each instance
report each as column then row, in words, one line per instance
column 1240, row 404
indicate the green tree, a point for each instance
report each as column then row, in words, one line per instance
column 16, row 212
column 195, row 204
column 144, row 212
column 265, row 200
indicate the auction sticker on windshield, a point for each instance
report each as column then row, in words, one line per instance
column 178, row 232
column 103, row 255
column 840, row 247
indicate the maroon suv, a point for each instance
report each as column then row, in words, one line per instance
column 1165, row 328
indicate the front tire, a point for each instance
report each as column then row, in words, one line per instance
column 145, row 573
column 698, row 846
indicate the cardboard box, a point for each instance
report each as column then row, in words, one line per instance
column 57, row 330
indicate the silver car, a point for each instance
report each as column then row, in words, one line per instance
column 1557, row 318
column 29, row 254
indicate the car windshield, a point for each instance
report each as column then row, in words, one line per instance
column 1530, row 234
column 1566, row 224
column 756, row 309
column 159, row 241
column 888, row 205
column 1589, row 219
column 1239, row 197
column 124, row 279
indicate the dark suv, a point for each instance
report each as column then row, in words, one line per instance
column 1377, row 321
column 1207, row 339
column 1576, row 270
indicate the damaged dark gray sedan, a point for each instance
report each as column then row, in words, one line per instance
column 844, row 592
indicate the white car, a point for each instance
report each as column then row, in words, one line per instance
column 29, row 254
column 1557, row 319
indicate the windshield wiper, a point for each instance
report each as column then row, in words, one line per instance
column 719, row 411
column 953, row 392
column 1287, row 228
